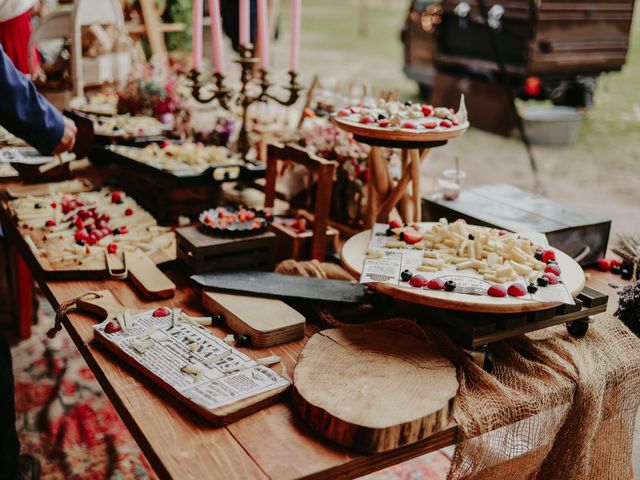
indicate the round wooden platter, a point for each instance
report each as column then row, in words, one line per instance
column 353, row 257
column 373, row 390
column 400, row 134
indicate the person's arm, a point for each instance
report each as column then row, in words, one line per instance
column 26, row 113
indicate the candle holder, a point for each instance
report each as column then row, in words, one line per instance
column 247, row 94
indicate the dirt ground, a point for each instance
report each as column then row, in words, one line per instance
column 600, row 173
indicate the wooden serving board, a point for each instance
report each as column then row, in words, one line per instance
column 266, row 321
column 371, row 389
column 68, row 186
column 353, row 257
column 399, row 134
column 106, row 307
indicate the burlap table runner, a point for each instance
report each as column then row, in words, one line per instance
column 555, row 407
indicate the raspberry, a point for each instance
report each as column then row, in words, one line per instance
column 365, row 119
column 384, row 123
column 615, row 262
column 553, row 268
column 497, row 291
column 418, row 281
column 553, row 278
column 112, row 248
column 445, row 124
column 116, row 197
column 161, row 312
column 604, row 265
column 548, row 255
column 430, row 124
column 50, row 223
column 436, row 284
column 409, row 125
column 395, row 223
column 427, row 110
column 517, row 290
column 112, row 327
column 128, row 212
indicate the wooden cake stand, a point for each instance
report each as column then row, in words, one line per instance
column 474, row 321
column 383, row 193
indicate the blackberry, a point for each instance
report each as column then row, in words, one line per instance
column 471, row 237
column 406, row 275
column 543, row 281
column 241, row 339
column 532, row 288
column 616, row 269
column 449, row 285
column 538, row 256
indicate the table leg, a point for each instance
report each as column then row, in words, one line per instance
column 372, row 194
column 23, row 295
column 416, row 194
column 405, row 206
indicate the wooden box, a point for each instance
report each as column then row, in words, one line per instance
column 298, row 245
column 583, row 236
column 201, row 253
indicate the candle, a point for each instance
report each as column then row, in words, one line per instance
column 216, row 35
column 263, row 34
column 243, row 15
column 296, row 6
column 196, row 39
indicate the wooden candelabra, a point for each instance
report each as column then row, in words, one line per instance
column 253, row 88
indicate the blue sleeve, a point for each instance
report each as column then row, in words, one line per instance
column 26, row 113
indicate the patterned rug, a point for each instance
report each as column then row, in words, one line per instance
column 66, row 420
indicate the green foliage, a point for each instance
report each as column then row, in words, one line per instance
column 179, row 11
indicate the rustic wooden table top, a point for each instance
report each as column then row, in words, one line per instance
column 268, row 444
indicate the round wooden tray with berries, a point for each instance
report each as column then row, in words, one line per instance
column 435, row 285
column 403, row 122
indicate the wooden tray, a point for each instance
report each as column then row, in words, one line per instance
column 353, row 257
column 246, row 170
column 399, row 134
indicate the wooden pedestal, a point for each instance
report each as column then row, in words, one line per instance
column 201, row 252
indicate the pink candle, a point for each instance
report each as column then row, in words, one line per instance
column 216, row 35
column 243, row 15
column 296, row 7
column 196, row 38
column 263, row 34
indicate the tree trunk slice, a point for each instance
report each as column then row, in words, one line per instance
column 372, row 389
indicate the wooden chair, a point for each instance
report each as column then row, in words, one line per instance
column 324, row 171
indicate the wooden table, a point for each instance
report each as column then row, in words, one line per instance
column 268, row 444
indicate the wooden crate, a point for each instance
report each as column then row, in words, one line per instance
column 201, row 253
column 300, row 246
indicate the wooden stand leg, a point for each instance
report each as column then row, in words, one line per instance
column 405, row 207
column 416, row 194
column 23, row 295
column 372, row 194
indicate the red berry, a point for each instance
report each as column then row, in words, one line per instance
column 552, row 277
column 54, row 205
column 79, row 224
column 445, row 124
column 384, row 123
column 517, row 290
column 548, row 255
column 395, row 223
column 502, row 232
column 91, row 240
column 80, row 235
column 409, row 125
column 165, row 144
column 614, row 262
column 436, row 284
column 604, row 265
column 553, row 268
column 418, row 281
column 128, row 212
column 366, row 119
column 161, row 312
column 116, row 197
column 112, row 327
column 430, row 124
column 344, row 113
column 427, row 110
column 412, row 237
column 112, row 248
column 123, row 230
column 50, row 223
column 497, row 290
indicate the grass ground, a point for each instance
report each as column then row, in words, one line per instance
column 600, row 173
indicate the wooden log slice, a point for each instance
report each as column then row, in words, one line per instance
column 373, row 389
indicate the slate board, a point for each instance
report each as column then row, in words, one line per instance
column 284, row 286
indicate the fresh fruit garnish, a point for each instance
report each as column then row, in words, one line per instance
column 161, row 312
column 615, row 262
column 80, row 235
column 384, row 123
column 543, row 281
column 532, row 288
column 412, row 237
column 344, row 113
column 445, row 124
column 548, row 255
column 116, row 197
column 54, row 205
column 395, row 223
column 418, row 281
column 625, row 273
column 497, row 291
column 128, row 212
column 409, row 125
column 449, row 285
column 430, row 124
column 553, row 268
column 427, row 110
column 436, row 284
column 552, row 277
column 366, row 119
column 616, row 269
column 604, row 265
column 50, row 223
column 517, row 290
column 124, row 229
column 112, row 248
column 112, row 327
column 406, row 275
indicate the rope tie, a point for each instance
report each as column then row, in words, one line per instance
column 67, row 307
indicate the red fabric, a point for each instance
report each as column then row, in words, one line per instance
column 14, row 38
